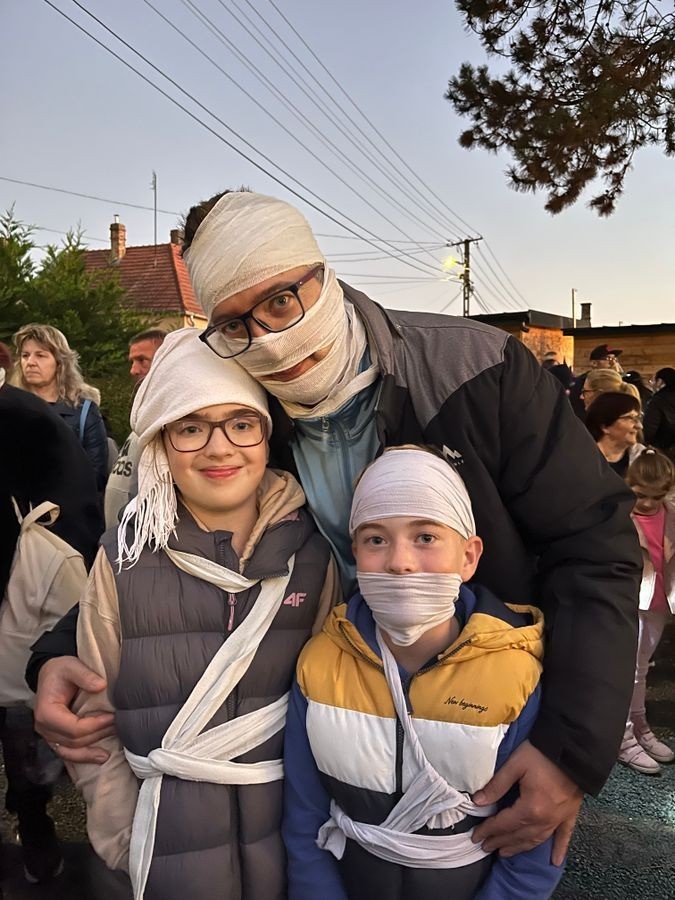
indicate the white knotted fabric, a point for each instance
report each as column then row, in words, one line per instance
column 429, row 801
column 410, row 481
column 186, row 752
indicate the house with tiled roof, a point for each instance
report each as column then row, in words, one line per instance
column 154, row 277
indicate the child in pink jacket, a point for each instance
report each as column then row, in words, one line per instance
column 652, row 477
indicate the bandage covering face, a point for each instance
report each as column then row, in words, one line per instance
column 248, row 238
column 185, row 376
column 416, row 484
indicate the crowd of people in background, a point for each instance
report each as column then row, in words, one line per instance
column 633, row 425
column 298, row 368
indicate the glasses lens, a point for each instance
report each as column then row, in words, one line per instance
column 279, row 312
column 188, row 434
column 229, row 339
column 245, row 431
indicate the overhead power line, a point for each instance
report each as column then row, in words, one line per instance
column 351, row 237
column 464, row 226
column 502, row 288
column 450, row 302
column 387, row 277
column 496, row 284
column 499, row 266
column 74, row 232
column 293, row 73
column 305, row 121
column 47, row 187
column 370, row 240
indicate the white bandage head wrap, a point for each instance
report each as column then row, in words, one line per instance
column 185, row 376
column 244, row 240
column 417, row 484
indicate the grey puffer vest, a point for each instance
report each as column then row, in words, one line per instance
column 213, row 842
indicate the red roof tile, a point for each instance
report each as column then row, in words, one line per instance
column 155, row 278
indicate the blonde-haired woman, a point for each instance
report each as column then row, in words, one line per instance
column 46, row 366
column 599, row 381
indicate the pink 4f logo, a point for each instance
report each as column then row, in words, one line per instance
column 295, row 599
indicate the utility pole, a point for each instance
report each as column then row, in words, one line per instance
column 465, row 277
column 153, row 185
column 574, row 307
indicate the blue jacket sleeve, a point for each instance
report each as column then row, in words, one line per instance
column 312, row 872
column 95, row 443
column 530, row 875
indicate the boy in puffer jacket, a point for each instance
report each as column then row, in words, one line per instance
column 413, row 695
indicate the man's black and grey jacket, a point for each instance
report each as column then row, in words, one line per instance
column 553, row 516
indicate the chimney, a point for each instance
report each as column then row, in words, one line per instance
column 176, row 236
column 118, row 240
column 584, row 320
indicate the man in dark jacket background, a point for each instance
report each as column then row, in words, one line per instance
column 602, row 357
column 659, row 418
column 554, row 517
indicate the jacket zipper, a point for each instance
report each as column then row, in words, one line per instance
column 399, row 726
column 339, row 435
column 439, row 662
column 231, row 709
column 400, row 736
column 232, row 603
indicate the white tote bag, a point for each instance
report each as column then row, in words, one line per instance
column 46, row 579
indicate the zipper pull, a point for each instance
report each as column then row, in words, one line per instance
column 231, row 602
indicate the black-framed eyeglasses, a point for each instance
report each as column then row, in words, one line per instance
column 242, row 430
column 281, row 310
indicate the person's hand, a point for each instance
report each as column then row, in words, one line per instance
column 549, row 802
column 71, row 737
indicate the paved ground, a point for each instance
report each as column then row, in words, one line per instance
column 624, row 846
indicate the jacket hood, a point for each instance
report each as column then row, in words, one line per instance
column 490, row 626
column 280, row 500
column 280, row 497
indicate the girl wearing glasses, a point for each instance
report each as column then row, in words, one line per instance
column 195, row 613
column 615, row 423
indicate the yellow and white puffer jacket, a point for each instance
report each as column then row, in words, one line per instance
column 470, row 707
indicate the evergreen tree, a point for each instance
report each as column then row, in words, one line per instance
column 590, row 84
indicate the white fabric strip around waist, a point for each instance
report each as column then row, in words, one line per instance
column 416, row 851
column 208, row 757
